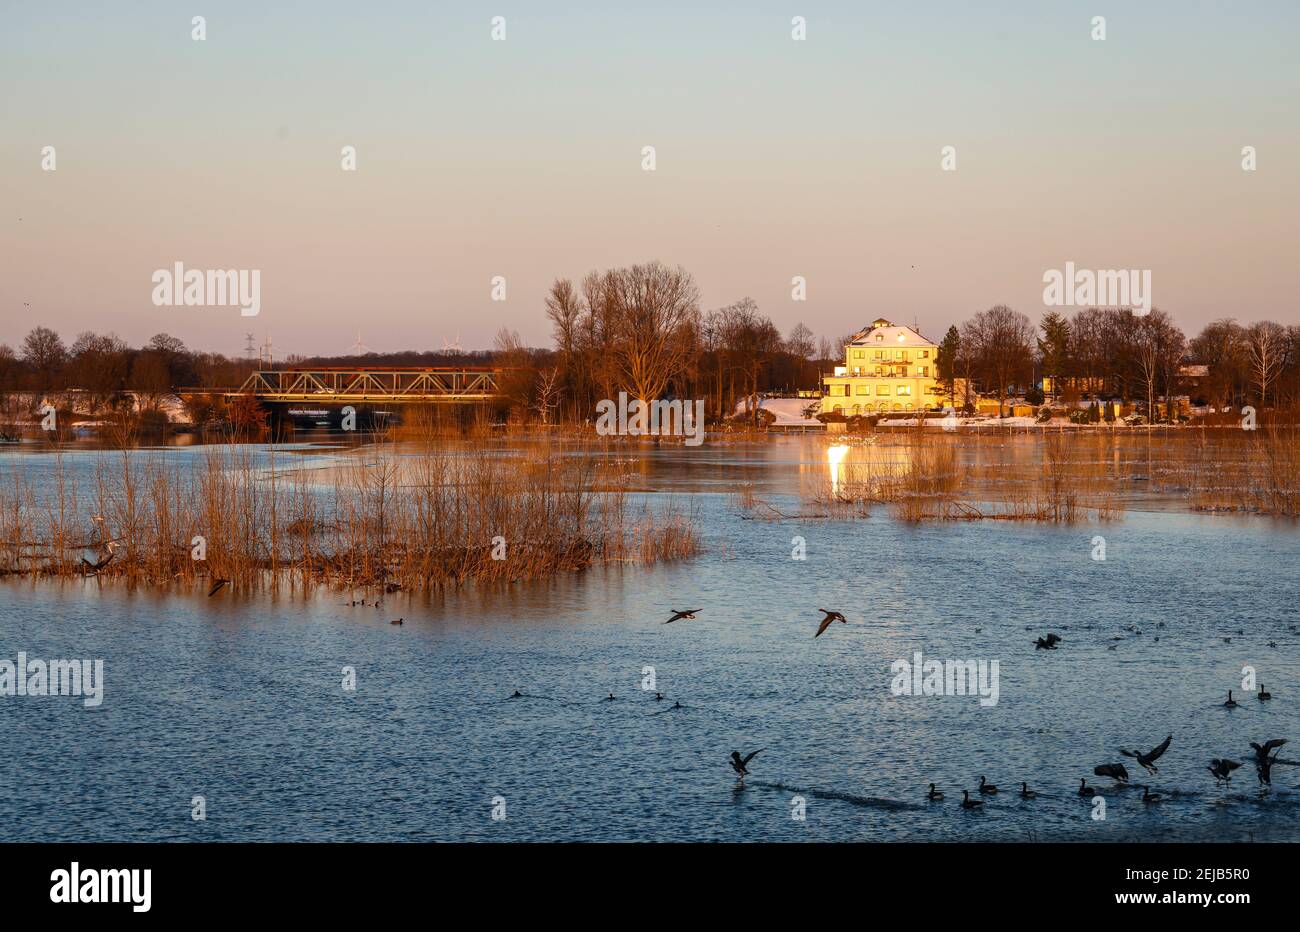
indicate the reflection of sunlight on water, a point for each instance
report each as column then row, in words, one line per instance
column 835, row 459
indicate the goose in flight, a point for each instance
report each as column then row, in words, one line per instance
column 1114, row 771
column 677, row 616
column 968, row 803
column 92, row 569
column 1222, row 769
column 826, row 622
column 1148, row 760
column 741, row 764
column 217, row 585
column 1047, row 643
column 1263, row 750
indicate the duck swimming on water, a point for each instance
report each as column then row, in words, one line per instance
column 968, row 803
column 934, row 795
column 987, row 788
column 1085, row 789
column 1231, row 703
column 1026, row 792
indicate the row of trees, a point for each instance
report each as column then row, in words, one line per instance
column 640, row 329
column 1109, row 353
column 104, row 365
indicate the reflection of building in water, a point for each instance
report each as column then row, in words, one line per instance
column 886, row 368
column 858, row 471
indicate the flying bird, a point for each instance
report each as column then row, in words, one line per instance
column 1148, row 760
column 1114, row 771
column 217, row 586
column 741, row 764
column 677, row 616
column 826, row 622
column 1262, row 751
column 1222, row 769
column 1047, row 643
column 94, row 568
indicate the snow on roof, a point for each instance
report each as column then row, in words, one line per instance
column 884, row 333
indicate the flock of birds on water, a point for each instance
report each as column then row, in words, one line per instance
column 1221, row 768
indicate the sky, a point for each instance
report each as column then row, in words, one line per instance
column 522, row 158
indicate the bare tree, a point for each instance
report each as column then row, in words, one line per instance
column 656, row 310
column 999, row 342
column 1156, row 346
column 1266, row 343
column 548, row 393
column 44, row 352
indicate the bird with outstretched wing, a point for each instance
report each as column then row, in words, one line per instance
column 1148, row 760
column 826, row 622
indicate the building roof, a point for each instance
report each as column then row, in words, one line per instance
column 893, row 335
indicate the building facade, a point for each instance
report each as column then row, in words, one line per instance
column 886, row 368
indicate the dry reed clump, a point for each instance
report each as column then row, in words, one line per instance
column 1263, row 479
column 412, row 517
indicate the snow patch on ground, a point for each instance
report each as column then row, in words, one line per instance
column 788, row 411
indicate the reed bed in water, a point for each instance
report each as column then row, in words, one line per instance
column 1263, row 478
column 921, row 476
column 414, row 516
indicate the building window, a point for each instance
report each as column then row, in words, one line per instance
column 857, row 354
column 904, row 389
column 879, row 338
column 882, row 389
column 925, row 354
column 923, row 371
column 861, row 389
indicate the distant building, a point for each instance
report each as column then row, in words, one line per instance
column 886, row 368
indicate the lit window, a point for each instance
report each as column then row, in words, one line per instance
column 861, row 390
column 904, row 389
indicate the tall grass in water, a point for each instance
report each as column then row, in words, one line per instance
column 1263, row 479
column 414, row 516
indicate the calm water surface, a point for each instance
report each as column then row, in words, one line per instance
column 239, row 700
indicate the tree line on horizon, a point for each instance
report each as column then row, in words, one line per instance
column 640, row 329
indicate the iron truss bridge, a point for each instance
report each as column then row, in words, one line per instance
column 387, row 384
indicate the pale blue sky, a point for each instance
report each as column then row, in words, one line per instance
column 522, row 158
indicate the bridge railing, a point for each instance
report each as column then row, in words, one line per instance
column 381, row 383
